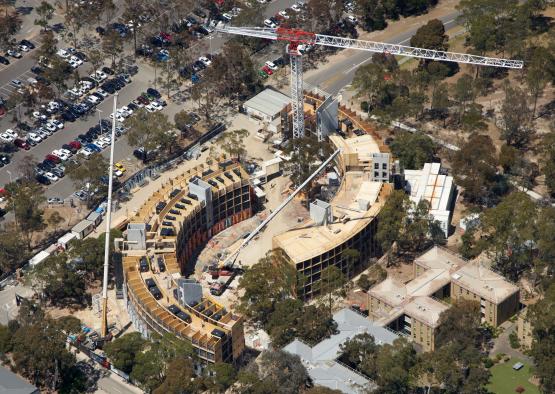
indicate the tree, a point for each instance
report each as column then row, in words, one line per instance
column 10, row 23
column 413, row 150
column 45, row 11
column 112, row 45
column 545, row 242
column 48, row 46
column 234, row 72
column 509, row 233
column 232, row 143
column 456, row 364
column 420, row 230
column 183, row 120
column 542, row 318
column 54, row 220
column 393, row 365
column 516, row 129
column 391, row 219
column 291, row 319
column 274, row 371
column 305, row 154
column 57, row 73
column 25, row 200
column 87, row 174
column 360, row 352
column 463, row 94
column 223, row 376
column 430, row 36
column 440, row 102
column 373, row 17
column 60, row 284
column 179, row 377
column 330, row 283
column 536, row 77
column 475, row 169
column 95, row 57
column 149, row 131
column 39, row 350
column 123, row 351
column 13, row 249
column 264, row 284
column 209, row 103
column 548, row 153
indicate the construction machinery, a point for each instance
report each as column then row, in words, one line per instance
column 298, row 39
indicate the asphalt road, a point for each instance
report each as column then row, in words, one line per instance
column 340, row 74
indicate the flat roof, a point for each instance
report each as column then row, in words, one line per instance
column 440, row 258
column 484, row 282
column 426, row 310
column 308, row 240
column 430, row 185
column 10, row 383
column 269, row 102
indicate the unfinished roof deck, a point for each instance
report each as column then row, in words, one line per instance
column 356, row 204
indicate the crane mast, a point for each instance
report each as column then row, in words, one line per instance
column 298, row 37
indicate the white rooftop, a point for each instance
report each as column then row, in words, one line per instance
column 429, row 185
column 320, row 360
column 269, row 102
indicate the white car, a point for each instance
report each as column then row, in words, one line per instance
column 118, row 172
column 24, row 48
column 85, row 152
column 39, row 116
column 11, row 133
column 101, row 143
column 42, row 133
column 296, row 8
column 150, row 108
column 76, row 92
column 119, row 118
column 269, row 23
column 101, row 75
column 205, row 61
column 227, row 16
column 284, row 14
column 126, row 110
column 57, row 123
column 271, row 65
column 66, row 152
column 63, row 53
column 60, row 154
column 50, row 127
column 106, row 139
column 6, row 137
column 102, row 92
column 352, row 19
column 93, row 99
column 51, row 177
column 76, row 59
column 156, row 106
column 34, row 137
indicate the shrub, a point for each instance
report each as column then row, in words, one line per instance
column 513, row 340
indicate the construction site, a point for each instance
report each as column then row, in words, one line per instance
column 187, row 244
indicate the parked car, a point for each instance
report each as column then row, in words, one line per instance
column 42, row 179
column 21, row 143
column 14, row 53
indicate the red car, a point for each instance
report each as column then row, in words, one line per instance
column 21, row 144
column 166, row 36
column 75, row 144
column 267, row 70
column 53, row 158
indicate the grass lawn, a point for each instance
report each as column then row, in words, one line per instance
column 504, row 379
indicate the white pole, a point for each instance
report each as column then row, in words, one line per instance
column 108, row 225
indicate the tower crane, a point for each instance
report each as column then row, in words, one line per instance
column 298, row 37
